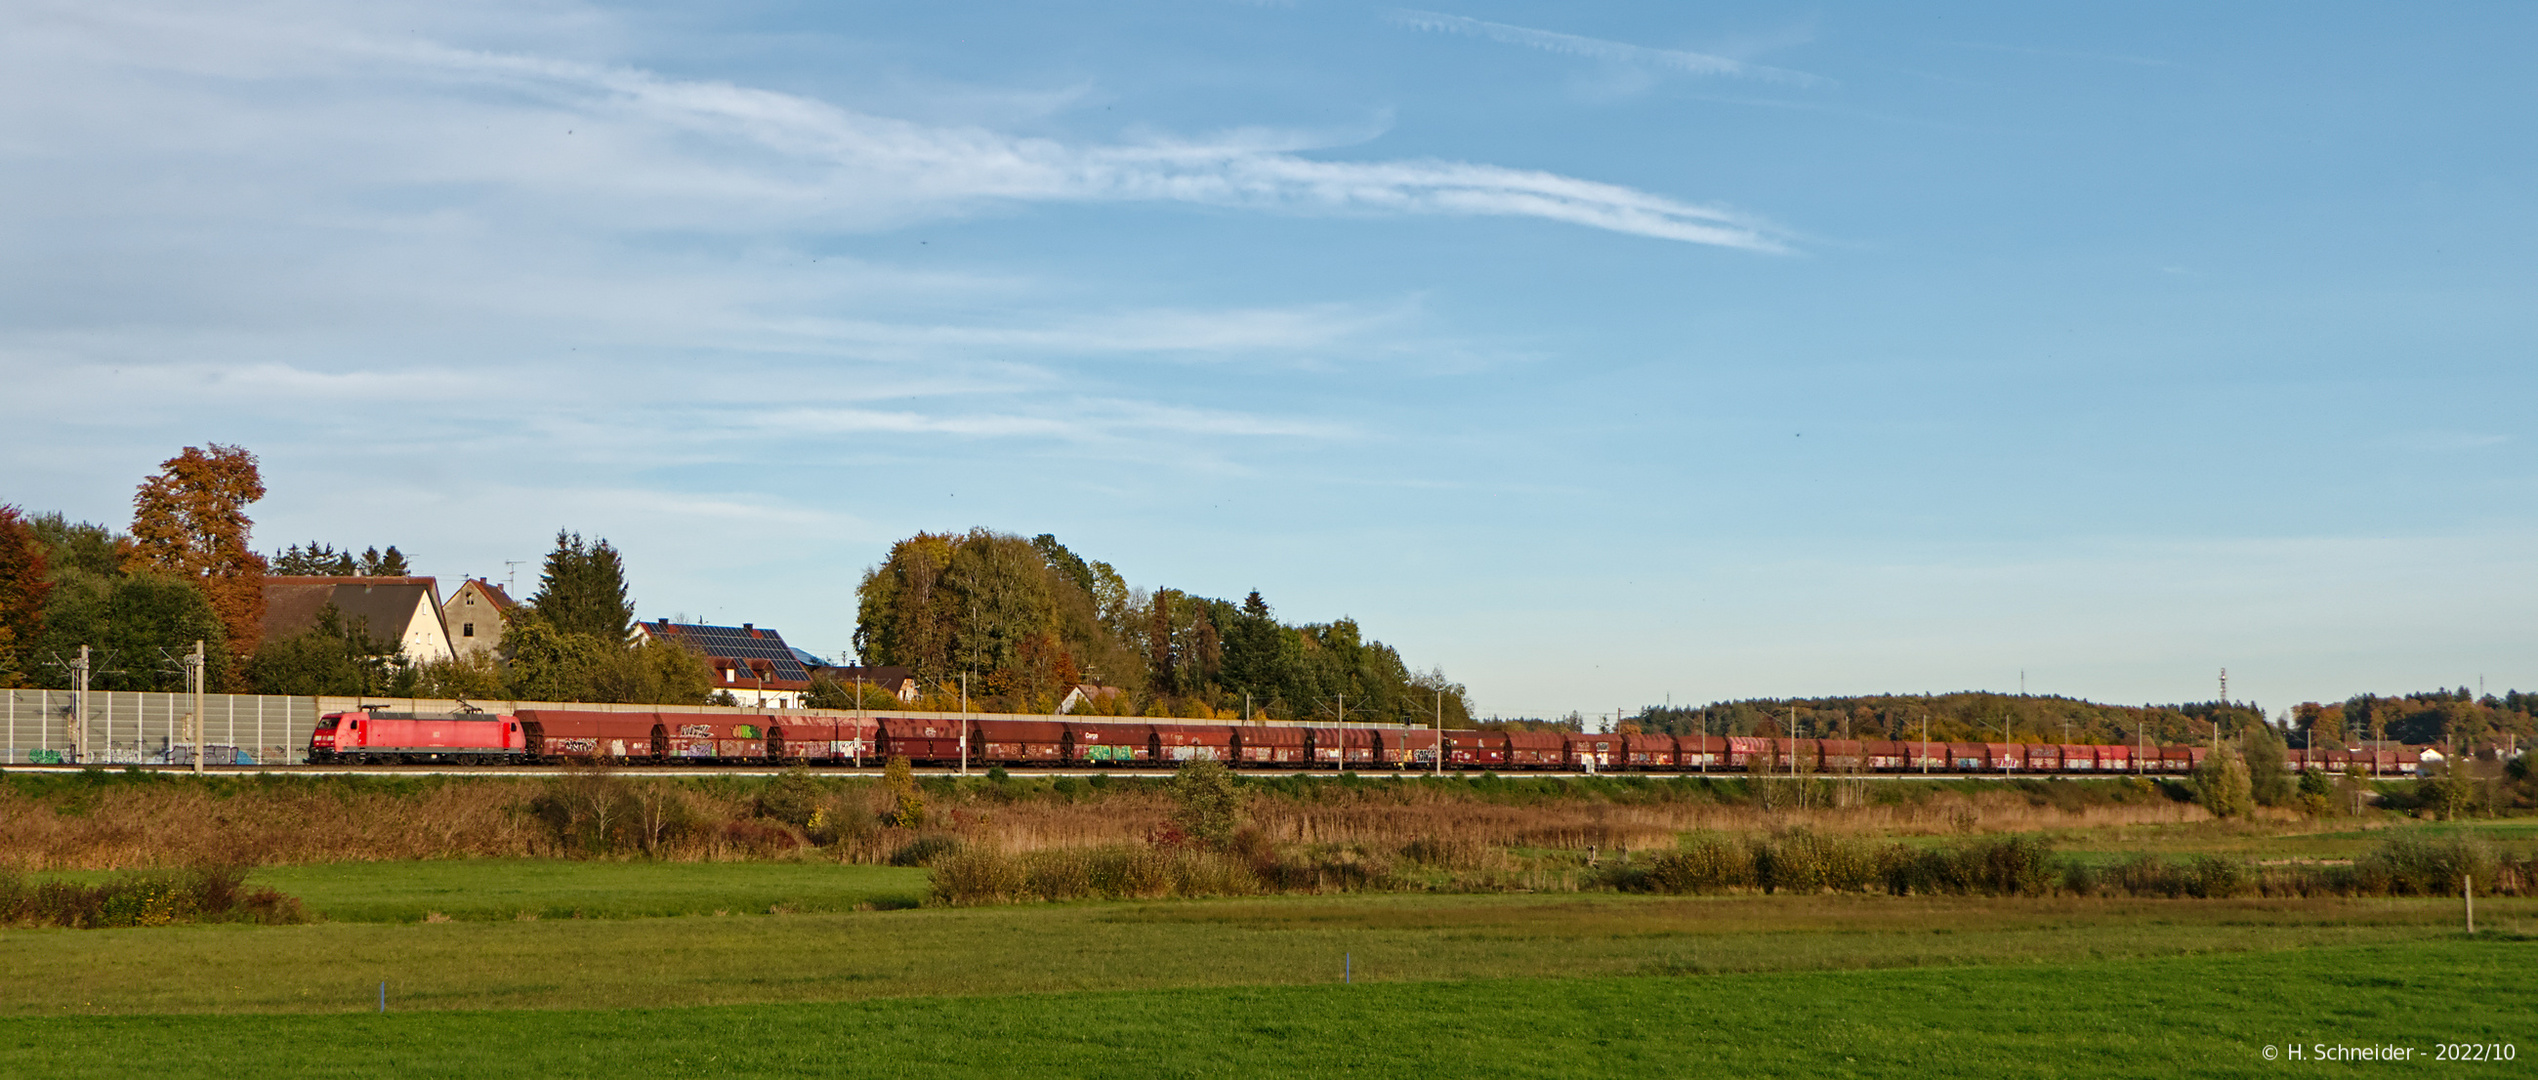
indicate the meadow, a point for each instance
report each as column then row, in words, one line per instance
column 2197, row 1013
column 1502, row 937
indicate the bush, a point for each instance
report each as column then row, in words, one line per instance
column 2412, row 863
column 2449, row 795
column 924, row 850
column 207, row 894
column 907, row 803
column 2222, row 785
column 2269, row 777
column 1209, row 802
column 792, row 797
column 1118, row 872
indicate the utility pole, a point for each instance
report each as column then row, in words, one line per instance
column 79, row 711
column 964, row 723
column 511, row 576
column 194, row 680
column 1440, row 734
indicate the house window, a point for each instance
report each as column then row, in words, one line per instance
column 471, row 599
column 467, row 630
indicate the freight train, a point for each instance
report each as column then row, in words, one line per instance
column 545, row 736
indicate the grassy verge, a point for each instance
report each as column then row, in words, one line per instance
column 2188, row 1015
column 484, row 889
column 697, row 961
column 481, row 890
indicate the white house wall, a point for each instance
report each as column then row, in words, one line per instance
column 425, row 639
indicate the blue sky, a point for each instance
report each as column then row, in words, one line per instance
column 1596, row 353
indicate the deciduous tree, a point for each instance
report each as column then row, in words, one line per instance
column 190, row 522
column 25, row 585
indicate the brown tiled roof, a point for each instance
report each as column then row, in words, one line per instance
column 292, row 604
column 872, row 676
column 502, row 601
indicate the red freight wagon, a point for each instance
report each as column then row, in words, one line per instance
column 1017, row 742
column 1699, row 752
column 1796, row 755
column 2077, row 758
column 2043, row 757
column 578, row 734
column 2004, row 757
column 1475, row 749
column 1646, row 751
column 854, row 740
column 1842, row 755
column 1590, row 753
column 1405, row 748
column 1925, row 756
column 467, row 738
column 921, row 739
column 1341, row 747
column 1743, row 749
column 701, row 737
column 1537, row 749
column 2175, row 759
column 1263, row 744
column 1110, row 744
column 2114, row 758
column 1192, row 742
column 1885, row 755
column 806, row 739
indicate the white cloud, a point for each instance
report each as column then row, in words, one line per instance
column 1612, row 52
column 375, row 107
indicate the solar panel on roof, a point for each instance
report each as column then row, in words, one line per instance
column 734, row 643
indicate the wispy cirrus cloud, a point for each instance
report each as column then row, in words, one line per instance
column 1690, row 63
column 870, row 164
column 597, row 138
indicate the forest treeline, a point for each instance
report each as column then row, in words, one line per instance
column 2434, row 716
column 1024, row 621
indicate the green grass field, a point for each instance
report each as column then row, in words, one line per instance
column 639, row 969
column 484, row 889
column 765, row 959
column 2201, row 1015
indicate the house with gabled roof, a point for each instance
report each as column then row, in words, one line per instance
column 750, row 662
column 900, row 682
column 402, row 610
column 474, row 616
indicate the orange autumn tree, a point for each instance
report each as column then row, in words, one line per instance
column 190, row 522
column 24, row 587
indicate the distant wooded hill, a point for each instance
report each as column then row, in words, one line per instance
column 2425, row 717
